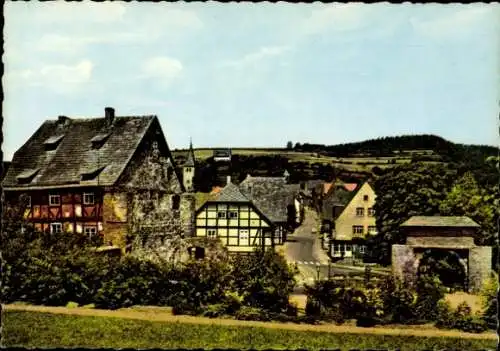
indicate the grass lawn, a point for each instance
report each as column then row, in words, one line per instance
column 37, row 329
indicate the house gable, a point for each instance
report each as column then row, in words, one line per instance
column 240, row 226
column 349, row 218
column 152, row 167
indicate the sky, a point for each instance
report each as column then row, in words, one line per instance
column 256, row 74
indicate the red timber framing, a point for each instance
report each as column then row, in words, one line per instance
column 74, row 208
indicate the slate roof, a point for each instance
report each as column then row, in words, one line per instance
column 231, row 193
column 271, row 195
column 75, row 154
column 440, row 221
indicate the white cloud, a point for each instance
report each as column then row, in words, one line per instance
column 165, row 69
column 63, row 79
column 337, row 17
column 456, row 23
column 257, row 56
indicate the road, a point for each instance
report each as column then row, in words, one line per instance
column 303, row 248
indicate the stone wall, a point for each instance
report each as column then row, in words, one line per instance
column 479, row 267
column 187, row 214
column 404, row 264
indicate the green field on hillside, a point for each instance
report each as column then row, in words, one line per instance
column 44, row 330
column 354, row 164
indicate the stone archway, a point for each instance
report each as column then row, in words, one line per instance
column 453, row 276
column 441, row 233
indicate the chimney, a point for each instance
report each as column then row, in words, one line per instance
column 228, row 180
column 62, row 120
column 109, row 114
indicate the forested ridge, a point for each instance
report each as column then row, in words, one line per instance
column 394, row 145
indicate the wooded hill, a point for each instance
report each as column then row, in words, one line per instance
column 349, row 162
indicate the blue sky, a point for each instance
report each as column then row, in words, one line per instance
column 256, row 74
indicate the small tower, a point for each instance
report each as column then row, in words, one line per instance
column 188, row 170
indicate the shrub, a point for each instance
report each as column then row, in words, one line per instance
column 215, row 310
column 398, row 301
column 264, row 279
column 429, row 292
column 248, row 313
column 489, row 295
column 461, row 318
column 445, row 318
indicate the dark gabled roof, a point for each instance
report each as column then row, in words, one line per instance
column 74, row 155
column 231, row 193
column 440, row 221
column 271, row 195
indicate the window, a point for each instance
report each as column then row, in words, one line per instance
column 348, row 247
column 232, row 214
column 221, row 214
column 54, row 200
column 90, row 231
column 357, row 229
column 55, row 228
column 365, row 197
column 372, row 229
column 362, row 249
column 371, row 212
column 176, row 200
column 360, row 211
column 188, row 169
column 211, row 233
column 88, row 198
column 243, row 234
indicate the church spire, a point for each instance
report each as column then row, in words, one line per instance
column 190, row 156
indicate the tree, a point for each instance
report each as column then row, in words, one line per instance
column 404, row 191
column 289, row 145
column 264, row 279
column 466, row 198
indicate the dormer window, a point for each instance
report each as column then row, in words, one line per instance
column 27, row 176
column 53, row 142
column 99, row 140
column 91, row 174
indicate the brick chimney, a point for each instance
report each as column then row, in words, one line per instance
column 109, row 115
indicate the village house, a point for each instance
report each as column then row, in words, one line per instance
column 348, row 218
column 275, row 197
column 110, row 176
column 257, row 213
column 222, row 155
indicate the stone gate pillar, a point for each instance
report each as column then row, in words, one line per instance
column 479, row 267
column 404, row 264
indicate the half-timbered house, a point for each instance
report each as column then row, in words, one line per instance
column 236, row 221
column 277, row 199
column 110, row 176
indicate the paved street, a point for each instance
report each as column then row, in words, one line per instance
column 303, row 248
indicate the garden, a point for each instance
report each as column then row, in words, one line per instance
column 61, row 269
